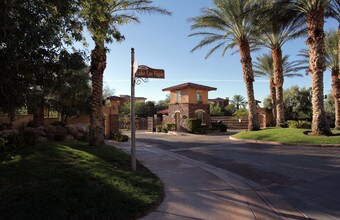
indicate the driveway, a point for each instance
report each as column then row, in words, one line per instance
column 307, row 177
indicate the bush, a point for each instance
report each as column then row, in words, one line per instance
column 200, row 130
column 30, row 138
column 15, row 141
column 58, row 123
column 169, row 127
column 118, row 136
column 299, row 124
column 3, row 146
column 219, row 126
column 59, row 137
column 31, row 124
column 3, row 126
column 193, row 124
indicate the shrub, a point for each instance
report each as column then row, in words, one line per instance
column 58, row 123
column 169, row 127
column 241, row 113
column 193, row 124
column 299, row 124
column 118, row 136
column 59, row 137
column 3, row 146
column 15, row 141
column 30, row 138
column 200, row 130
column 3, row 126
column 219, row 126
column 31, row 124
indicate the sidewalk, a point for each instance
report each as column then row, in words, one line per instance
column 195, row 190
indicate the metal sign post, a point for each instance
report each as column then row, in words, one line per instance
column 138, row 74
column 132, row 113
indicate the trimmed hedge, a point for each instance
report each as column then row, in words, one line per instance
column 193, row 124
column 299, row 124
column 118, row 136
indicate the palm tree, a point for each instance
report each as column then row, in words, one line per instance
column 264, row 68
column 279, row 28
column 332, row 63
column 314, row 11
column 334, row 12
column 102, row 18
column 227, row 25
column 332, row 51
column 238, row 101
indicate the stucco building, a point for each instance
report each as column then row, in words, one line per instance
column 188, row 100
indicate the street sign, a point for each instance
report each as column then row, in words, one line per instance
column 147, row 72
column 135, row 66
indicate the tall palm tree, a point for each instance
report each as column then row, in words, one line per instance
column 280, row 27
column 102, row 18
column 332, row 51
column 263, row 67
column 334, row 12
column 227, row 24
column 314, row 11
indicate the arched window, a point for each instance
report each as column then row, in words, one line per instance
column 200, row 115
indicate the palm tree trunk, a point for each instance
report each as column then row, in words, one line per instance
column 273, row 98
column 38, row 115
column 336, row 100
column 98, row 64
column 317, row 64
column 336, row 96
column 278, row 80
column 248, row 77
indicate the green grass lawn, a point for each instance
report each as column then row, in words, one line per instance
column 289, row 135
column 74, row 181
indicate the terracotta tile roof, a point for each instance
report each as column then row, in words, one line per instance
column 189, row 85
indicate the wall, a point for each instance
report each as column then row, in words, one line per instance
column 189, row 96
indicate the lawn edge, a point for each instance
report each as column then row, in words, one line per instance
column 280, row 143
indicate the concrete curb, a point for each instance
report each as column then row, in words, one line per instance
column 281, row 143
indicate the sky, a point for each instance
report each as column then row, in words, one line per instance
column 162, row 42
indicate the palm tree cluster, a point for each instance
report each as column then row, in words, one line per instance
column 251, row 24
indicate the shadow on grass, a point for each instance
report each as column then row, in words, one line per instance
column 73, row 181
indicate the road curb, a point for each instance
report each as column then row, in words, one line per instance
column 281, row 143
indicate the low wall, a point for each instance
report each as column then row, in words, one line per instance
column 232, row 122
column 20, row 121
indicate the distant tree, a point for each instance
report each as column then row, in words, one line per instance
column 229, row 110
column 163, row 104
column 297, row 103
column 238, row 101
column 215, row 110
column 241, row 113
column 107, row 91
column 146, row 109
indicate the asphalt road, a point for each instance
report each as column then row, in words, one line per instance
column 308, row 177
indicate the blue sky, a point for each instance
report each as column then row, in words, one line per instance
column 163, row 42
